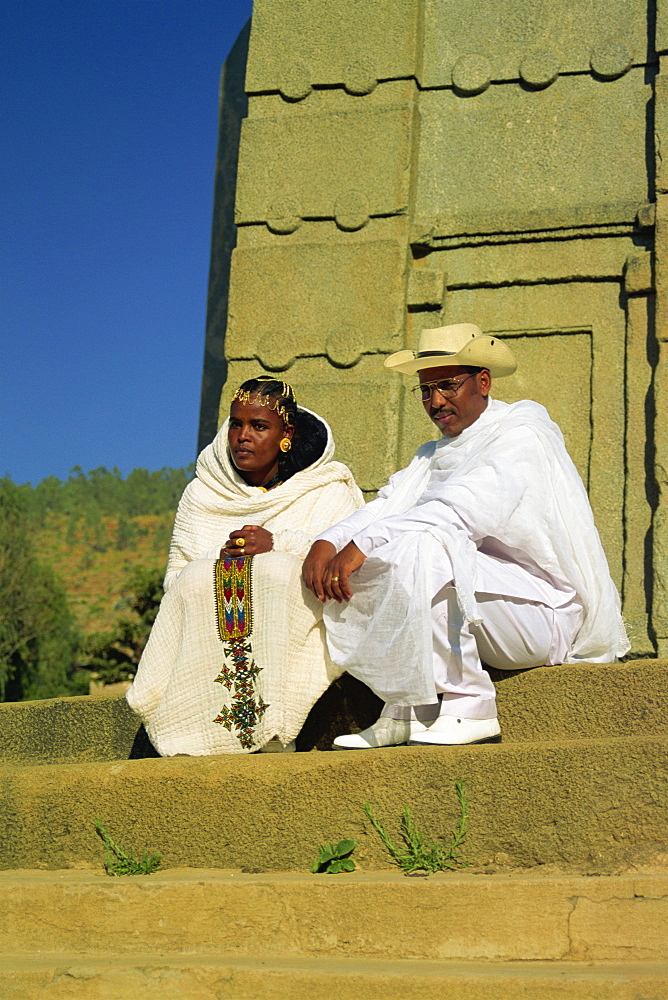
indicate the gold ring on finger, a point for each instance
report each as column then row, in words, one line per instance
column 335, row 579
column 240, row 542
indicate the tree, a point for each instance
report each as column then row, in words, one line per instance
column 114, row 655
column 38, row 637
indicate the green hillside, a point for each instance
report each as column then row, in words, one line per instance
column 80, row 568
column 95, row 564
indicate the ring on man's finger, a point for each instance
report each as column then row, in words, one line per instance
column 335, row 579
column 240, row 542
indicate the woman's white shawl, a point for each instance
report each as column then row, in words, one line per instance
column 175, row 690
column 508, row 477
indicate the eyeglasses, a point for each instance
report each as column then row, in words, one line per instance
column 447, row 387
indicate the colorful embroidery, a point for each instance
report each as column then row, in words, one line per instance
column 234, row 609
column 234, row 617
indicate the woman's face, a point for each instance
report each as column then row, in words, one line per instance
column 253, row 436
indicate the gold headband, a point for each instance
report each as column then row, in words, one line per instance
column 271, row 402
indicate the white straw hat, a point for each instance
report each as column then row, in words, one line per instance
column 459, row 344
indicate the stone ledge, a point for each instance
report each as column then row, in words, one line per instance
column 564, row 702
column 618, row 918
column 600, row 804
column 197, row 978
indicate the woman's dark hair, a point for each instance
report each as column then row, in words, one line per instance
column 310, row 437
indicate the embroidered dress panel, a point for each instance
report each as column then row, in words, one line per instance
column 234, row 618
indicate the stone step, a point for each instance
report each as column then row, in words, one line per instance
column 599, row 804
column 550, row 703
column 204, row 978
column 454, row 917
column 208, row 935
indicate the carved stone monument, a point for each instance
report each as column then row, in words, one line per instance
column 405, row 163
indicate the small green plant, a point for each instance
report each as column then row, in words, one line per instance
column 418, row 856
column 332, row 860
column 117, row 862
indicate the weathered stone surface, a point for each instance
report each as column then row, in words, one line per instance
column 498, row 265
column 70, row 729
column 154, row 978
column 337, row 302
column 661, row 39
column 563, row 36
column 529, row 804
column 565, row 156
column 555, row 917
column 636, row 585
column 318, row 163
column 638, row 277
column 374, row 41
column 565, row 702
column 658, row 417
column 426, row 287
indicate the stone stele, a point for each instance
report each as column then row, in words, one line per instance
column 400, row 164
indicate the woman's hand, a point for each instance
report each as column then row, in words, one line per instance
column 254, row 538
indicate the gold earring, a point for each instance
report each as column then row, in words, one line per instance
column 285, row 445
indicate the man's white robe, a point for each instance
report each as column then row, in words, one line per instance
column 504, row 508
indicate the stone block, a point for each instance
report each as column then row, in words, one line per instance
column 537, row 262
column 661, row 30
column 638, row 274
column 506, row 42
column 661, row 127
column 638, row 480
column 154, row 977
column 346, row 166
column 316, row 299
column 292, row 45
column 660, row 519
column 620, row 918
column 512, row 160
column 426, row 287
column 331, row 100
column 69, row 729
column 587, row 802
column 661, row 267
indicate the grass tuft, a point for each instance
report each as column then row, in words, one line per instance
column 117, row 862
column 417, row 855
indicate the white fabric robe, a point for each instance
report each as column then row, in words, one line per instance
column 175, row 690
column 505, row 485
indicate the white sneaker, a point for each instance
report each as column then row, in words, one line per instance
column 383, row 733
column 447, row 730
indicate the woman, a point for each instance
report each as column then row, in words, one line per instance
column 237, row 657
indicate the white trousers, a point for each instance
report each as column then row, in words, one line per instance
column 514, row 634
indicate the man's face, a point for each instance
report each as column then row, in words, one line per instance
column 454, row 415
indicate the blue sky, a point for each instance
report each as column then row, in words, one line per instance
column 109, row 125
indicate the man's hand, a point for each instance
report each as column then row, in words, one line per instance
column 336, row 576
column 315, row 566
column 255, row 540
column 338, row 572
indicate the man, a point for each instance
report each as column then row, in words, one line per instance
column 483, row 549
